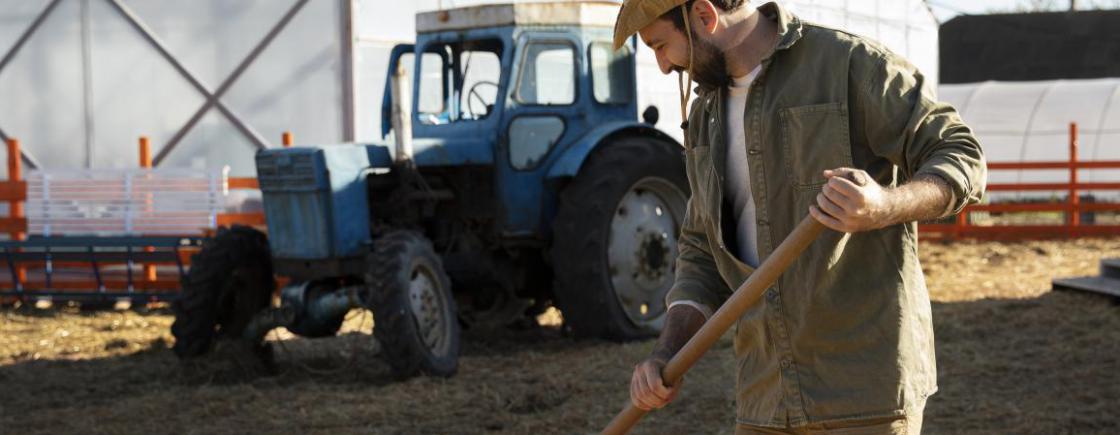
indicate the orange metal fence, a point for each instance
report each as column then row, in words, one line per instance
column 14, row 192
column 1072, row 207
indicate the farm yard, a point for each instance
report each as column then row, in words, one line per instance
column 1013, row 357
column 366, row 153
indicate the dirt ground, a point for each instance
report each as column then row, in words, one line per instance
column 1013, row 357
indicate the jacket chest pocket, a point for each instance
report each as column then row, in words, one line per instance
column 814, row 138
column 701, row 178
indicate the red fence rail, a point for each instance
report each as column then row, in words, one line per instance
column 1072, row 207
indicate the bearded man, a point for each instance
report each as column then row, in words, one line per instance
column 793, row 118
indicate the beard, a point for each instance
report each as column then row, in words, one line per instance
column 709, row 64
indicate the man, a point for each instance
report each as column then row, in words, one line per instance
column 794, row 118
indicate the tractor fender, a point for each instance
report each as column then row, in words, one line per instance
column 572, row 159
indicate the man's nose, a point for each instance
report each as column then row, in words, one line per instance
column 664, row 64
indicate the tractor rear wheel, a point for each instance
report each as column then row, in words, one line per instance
column 230, row 281
column 614, row 243
column 414, row 314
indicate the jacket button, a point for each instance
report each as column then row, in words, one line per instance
column 772, row 295
column 786, row 363
column 754, row 151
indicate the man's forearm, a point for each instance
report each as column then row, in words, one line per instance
column 926, row 197
column 681, row 323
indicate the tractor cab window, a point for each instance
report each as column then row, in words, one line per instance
column 433, row 84
column 548, row 74
column 464, row 78
column 610, row 73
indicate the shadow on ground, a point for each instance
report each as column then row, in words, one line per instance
column 1049, row 364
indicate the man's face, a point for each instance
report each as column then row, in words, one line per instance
column 671, row 48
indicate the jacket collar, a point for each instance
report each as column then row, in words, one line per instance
column 789, row 26
column 789, row 32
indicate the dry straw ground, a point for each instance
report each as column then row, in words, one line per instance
column 1013, row 357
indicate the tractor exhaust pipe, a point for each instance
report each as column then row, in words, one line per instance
column 401, row 119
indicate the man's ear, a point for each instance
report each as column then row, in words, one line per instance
column 704, row 16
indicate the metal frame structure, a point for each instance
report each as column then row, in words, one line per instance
column 38, row 21
column 213, row 98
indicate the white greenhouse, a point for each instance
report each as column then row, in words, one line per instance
column 1029, row 122
column 211, row 81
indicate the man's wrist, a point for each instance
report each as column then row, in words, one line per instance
column 661, row 355
column 893, row 205
column 925, row 197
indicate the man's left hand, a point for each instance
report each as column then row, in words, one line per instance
column 851, row 201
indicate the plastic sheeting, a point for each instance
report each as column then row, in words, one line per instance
column 87, row 84
column 41, row 87
column 1029, row 122
column 906, row 27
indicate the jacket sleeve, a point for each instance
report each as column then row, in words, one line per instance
column 906, row 124
column 697, row 278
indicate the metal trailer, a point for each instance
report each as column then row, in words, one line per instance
column 1107, row 283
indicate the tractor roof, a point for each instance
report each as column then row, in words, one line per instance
column 567, row 13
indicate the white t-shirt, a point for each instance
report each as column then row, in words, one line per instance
column 738, row 183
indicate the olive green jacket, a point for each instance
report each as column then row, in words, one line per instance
column 846, row 332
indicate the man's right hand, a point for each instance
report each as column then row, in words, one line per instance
column 647, row 389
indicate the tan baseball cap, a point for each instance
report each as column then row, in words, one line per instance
column 636, row 14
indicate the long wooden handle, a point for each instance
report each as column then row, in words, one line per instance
column 744, row 297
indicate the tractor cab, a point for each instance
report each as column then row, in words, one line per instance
column 513, row 87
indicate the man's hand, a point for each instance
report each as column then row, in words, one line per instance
column 851, row 201
column 647, row 390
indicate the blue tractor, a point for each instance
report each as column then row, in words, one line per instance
column 526, row 182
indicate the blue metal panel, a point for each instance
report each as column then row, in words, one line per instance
column 295, row 191
column 472, row 147
column 347, row 166
column 379, row 156
column 315, row 200
column 522, row 193
column 529, row 205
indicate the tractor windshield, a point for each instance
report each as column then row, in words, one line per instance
column 459, row 81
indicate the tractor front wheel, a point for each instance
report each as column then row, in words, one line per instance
column 230, row 281
column 414, row 314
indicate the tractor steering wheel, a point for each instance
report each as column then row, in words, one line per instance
column 473, row 94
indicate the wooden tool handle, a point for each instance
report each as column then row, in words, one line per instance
column 744, row 297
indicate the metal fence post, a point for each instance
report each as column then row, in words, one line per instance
column 1073, row 216
column 146, row 162
column 15, row 207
